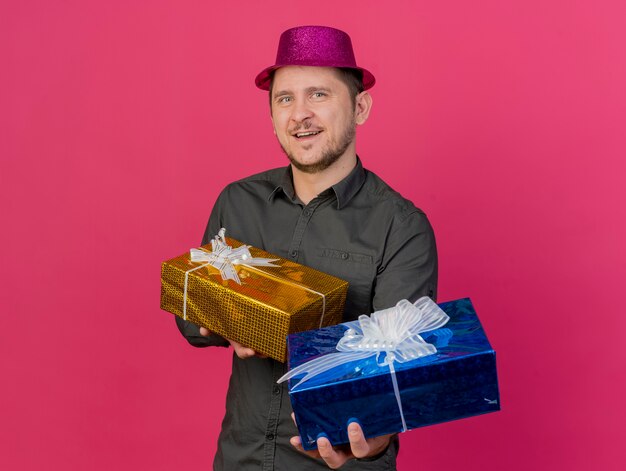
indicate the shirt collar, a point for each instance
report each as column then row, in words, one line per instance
column 349, row 186
column 344, row 190
column 284, row 183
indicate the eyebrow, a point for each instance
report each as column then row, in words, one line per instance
column 307, row 90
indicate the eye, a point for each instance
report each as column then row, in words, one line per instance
column 283, row 99
column 319, row 94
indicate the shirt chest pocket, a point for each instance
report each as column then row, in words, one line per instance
column 358, row 270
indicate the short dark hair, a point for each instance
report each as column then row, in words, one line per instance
column 353, row 78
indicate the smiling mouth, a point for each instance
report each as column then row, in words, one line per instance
column 301, row 135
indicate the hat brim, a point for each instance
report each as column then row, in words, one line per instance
column 264, row 79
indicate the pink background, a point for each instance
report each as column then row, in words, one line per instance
column 122, row 120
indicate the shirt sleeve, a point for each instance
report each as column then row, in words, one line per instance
column 189, row 330
column 409, row 265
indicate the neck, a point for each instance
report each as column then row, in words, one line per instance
column 309, row 185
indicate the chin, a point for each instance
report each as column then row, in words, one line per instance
column 314, row 165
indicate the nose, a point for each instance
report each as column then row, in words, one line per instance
column 300, row 111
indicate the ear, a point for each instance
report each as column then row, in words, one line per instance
column 273, row 126
column 363, row 106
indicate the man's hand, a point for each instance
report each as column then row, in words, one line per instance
column 360, row 447
column 241, row 351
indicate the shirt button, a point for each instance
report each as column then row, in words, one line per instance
column 307, row 213
column 344, row 256
column 294, row 253
column 270, row 436
column 276, row 390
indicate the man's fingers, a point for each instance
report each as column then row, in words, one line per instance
column 360, row 447
column 244, row 352
column 358, row 444
column 333, row 458
column 296, row 442
column 326, row 451
column 241, row 351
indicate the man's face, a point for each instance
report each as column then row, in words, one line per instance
column 313, row 116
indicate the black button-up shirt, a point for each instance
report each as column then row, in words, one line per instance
column 359, row 230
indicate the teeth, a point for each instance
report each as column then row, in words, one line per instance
column 304, row 134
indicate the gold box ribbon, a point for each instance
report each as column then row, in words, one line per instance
column 223, row 257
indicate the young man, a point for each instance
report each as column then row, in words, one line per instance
column 326, row 211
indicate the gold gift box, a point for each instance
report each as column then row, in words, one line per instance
column 269, row 304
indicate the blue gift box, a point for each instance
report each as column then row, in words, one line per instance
column 457, row 381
